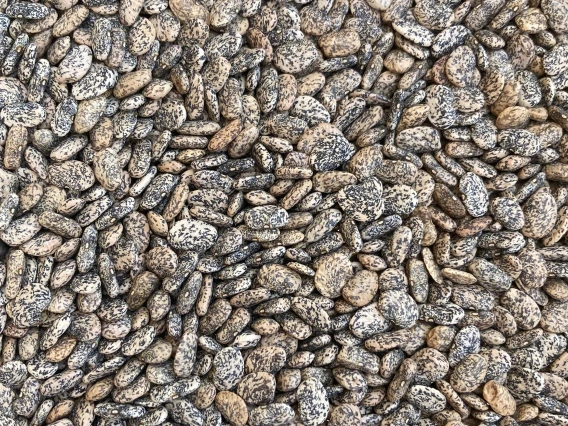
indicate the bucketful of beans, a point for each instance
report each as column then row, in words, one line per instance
column 283, row 212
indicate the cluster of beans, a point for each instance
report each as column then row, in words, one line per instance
column 283, row 212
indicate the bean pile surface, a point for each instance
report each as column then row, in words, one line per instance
column 284, row 213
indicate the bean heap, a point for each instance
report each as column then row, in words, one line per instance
column 272, row 213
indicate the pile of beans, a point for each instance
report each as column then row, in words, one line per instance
column 284, row 212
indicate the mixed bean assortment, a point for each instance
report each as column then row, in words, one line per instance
column 284, row 212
